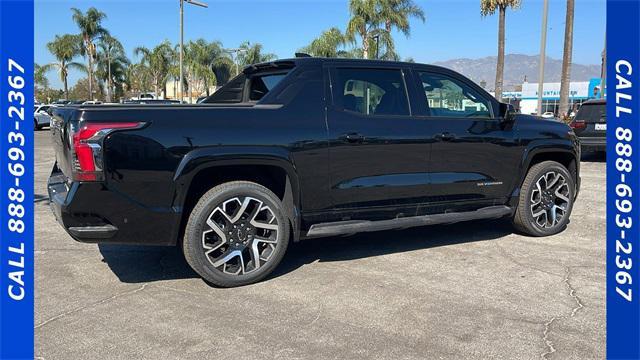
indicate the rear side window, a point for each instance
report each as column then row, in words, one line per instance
column 262, row 84
column 370, row 91
column 258, row 84
column 592, row 113
column 230, row 93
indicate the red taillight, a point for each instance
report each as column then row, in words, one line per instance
column 578, row 124
column 87, row 147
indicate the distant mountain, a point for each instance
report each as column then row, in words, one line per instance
column 516, row 67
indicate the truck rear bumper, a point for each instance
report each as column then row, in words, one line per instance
column 91, row 213
column 593, row 143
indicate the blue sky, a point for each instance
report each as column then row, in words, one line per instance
column 453, row 29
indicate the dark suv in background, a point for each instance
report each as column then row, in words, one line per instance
column 590, row 125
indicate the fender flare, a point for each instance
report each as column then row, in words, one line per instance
column 541, row 147
column 201, row 159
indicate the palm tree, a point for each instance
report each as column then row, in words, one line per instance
column 252, row 54
column 396, row 15
column 364, row 22
column 111, row 53
column 376, row 19
column 137, row 78
column 40, row 77
column 563, row 107
column 207, row 65
column 158, row 61
column 489, row 7
column 91, row 29
column 64, row 48
column 328, row 44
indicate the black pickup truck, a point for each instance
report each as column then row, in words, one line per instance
column 304, row 148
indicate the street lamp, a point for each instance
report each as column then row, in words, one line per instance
column 192, row 2
column 543, row 45
column 235, row 57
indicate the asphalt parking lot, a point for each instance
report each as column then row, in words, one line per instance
column 470, row 290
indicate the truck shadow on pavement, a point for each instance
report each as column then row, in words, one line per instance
column 141, row 264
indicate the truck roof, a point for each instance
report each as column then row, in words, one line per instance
column 319, row 60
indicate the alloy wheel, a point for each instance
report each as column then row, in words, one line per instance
column 240, row 235
column 550, row 199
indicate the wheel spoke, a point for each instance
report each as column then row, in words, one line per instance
column 225, row 258
column 554, row 217
column 262, row 225
column 216, row 229
column 555, row 178
column 561, row 195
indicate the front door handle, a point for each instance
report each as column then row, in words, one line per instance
column 445, row 136
column 354, row 137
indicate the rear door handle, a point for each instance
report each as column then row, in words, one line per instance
column 353, row 137
column 445, row 136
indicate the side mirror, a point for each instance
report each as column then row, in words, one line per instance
column 507, row 112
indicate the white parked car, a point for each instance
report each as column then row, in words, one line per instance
column 548, row 115
column 41, row 116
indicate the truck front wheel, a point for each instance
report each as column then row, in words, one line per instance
column 546, row 200
column 236, row 234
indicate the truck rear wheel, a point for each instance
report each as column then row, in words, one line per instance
column 236, row 234
column 546, row 200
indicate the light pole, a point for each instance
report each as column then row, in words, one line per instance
column 603, row 69
column 192, row 2
column 543, row 45
column 377, row 37
column 234, row 53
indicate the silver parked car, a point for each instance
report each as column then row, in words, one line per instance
column 41, row 116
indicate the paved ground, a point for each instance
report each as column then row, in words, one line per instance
column 470, row 290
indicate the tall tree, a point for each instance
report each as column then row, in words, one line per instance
column 328, row 44
column 64, row 48
column 207, row 65
column 396, row 14
column 110, row 54
column 253, row 54
column 90, row 25
column 565, row 78
column 40, row 77
column 158, row 61
column 489, row 7
column 365, row 20
column 137, row 78
column 376, row 19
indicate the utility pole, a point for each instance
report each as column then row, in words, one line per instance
column 603, row 70
column 193, row 2
column 234, row 54
column 543, row 46
column 181, row 49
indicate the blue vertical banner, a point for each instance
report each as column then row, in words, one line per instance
column 16, row 179
column 623, row 180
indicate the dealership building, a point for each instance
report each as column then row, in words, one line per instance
column 526, row 101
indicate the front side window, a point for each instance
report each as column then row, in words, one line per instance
column 370, row 91
column 449, row 97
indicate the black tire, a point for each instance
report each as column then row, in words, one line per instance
column 193, row 242
column 35, row 125
column 523, row 219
